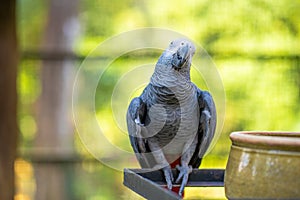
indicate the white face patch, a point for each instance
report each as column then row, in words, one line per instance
column 176, row 44
column 180, row 51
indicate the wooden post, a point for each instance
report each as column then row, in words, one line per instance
column 55, row 128
column 8, row 97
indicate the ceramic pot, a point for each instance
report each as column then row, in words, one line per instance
column 263, row 165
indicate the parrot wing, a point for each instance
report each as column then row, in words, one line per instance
column 206, row 128
column 135, row 117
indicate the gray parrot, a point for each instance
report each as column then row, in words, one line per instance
column 173, row 122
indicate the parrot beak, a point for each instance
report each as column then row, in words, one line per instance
column 181, row 56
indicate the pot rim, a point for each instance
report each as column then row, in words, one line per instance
column 267, row 139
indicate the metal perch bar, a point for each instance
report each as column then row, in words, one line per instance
column 149, row 183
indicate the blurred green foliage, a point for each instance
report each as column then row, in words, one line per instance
column 255, row 45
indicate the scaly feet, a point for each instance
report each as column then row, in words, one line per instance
column 168, row 176
column 184, row 172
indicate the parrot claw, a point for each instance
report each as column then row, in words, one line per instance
column 168, row 176
column 184, row 172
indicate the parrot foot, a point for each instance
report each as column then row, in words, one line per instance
column 184, row 172
column 168, row 176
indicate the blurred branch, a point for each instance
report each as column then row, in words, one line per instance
column 57, row 56
column 59, row 156
column 48, row 56
column 46, row 156
column 255, row 56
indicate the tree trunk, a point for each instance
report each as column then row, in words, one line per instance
column 55, row 129
column 8, row 98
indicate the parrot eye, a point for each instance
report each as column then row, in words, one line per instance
column 182, row 43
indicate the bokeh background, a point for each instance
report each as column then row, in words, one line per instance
column 254, row 44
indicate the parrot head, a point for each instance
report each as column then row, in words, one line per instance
column 182, row 52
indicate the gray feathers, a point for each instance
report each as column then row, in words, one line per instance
column 172, row 111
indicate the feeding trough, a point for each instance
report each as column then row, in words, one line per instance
column 263, row 165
